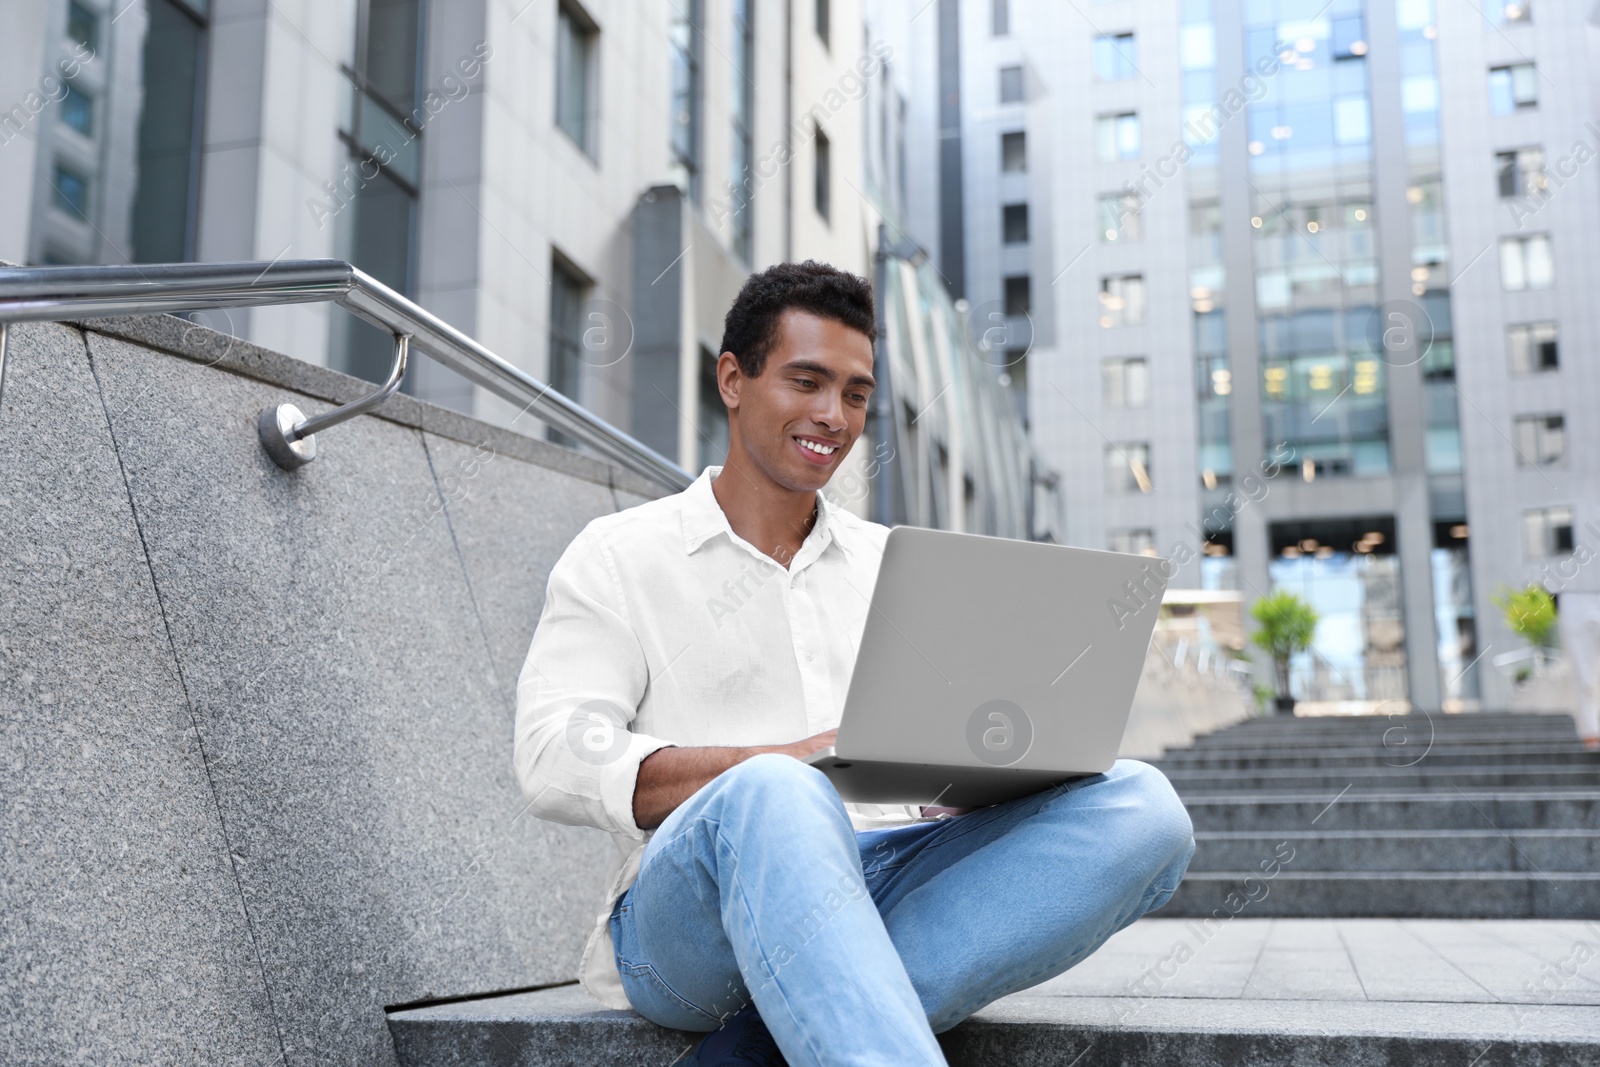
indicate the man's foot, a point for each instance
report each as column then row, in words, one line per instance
column 743, row 1041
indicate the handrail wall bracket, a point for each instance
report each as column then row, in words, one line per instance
column 290, row 437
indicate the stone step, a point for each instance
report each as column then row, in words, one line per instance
column 1289, row 742
column 571, row 1030
column 1421, row 777
column 1356, row 722
column 1388, row 894
column 1396, row 810
column 1494, row 718
column 1362, row 992
column 1400, row 850
column 1442, row 755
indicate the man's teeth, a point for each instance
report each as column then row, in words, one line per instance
column 821, row 450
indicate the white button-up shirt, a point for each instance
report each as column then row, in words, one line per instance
column 661, row 626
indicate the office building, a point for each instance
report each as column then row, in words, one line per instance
column 1300, row 296
column 581, row 185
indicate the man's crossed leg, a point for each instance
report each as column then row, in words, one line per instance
column 860, row 946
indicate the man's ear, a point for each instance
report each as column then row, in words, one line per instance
column 729, row 379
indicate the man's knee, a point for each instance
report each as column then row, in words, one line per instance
column 784, row 782
column 1159, row 824
column 773, row 770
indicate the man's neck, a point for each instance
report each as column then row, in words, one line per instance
column 774, row 519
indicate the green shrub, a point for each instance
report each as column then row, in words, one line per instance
column 1287, row 625
column 1530, row 613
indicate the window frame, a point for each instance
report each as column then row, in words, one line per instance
column 1512, row 74
column 1009, row 216
column 1013, row 137
column 1542, row 430
column 822, row 174
column 1125, row 371
column 1007, row 72
column 1533, row 363
column 1114, row 286
column 1121, row 474
column 587, row 31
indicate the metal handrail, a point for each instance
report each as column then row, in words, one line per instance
column 40, row 294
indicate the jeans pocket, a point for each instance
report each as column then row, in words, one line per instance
column 645, row 989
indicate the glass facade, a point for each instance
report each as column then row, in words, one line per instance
column 1323, row 387
column 686, row 97
column 575, row 76
column 955, row 457
column 377, row 230
column 1348, row 570
column 565, row 370
column 743, row 124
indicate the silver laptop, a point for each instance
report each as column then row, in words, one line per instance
column 991, row 668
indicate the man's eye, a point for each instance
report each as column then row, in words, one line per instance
column 859, row 398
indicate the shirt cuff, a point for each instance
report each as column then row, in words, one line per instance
column 619, row 777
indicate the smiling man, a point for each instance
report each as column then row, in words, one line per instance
column 693, row 650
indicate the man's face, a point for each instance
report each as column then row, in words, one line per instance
column 799, row 418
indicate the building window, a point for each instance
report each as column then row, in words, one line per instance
column 77, row 110
column 822, row 18
column 1119, row 217
column 1114, row 57
column 83, row 26
column 1138, row 541
column 1018, row 295
column 712, row 414
column 1514, row 88
column 743, row 124
column 576, row 44
column 1504, row 12
column 1525, row 263
column 1125, row 382
column 71, row 193
column 1121, row 300
column 1128, row 467
column 1010, row 85
column 1521, row 172
column 377, row 228
column 821, row 177
column 565, row 369
column 1547, row 532
column 1116, row 137
column 1014, row 152
column 1541, row 440
column 1014, row 223
column 165, row 195
column 686, row 96
column 1533, row 348
column 1000, row 17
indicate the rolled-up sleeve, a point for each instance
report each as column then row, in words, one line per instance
column 577, row 757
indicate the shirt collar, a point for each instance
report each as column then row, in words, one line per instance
column 703, row 518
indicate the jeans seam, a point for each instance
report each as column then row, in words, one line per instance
column 645, row 970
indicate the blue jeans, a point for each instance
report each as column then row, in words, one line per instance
column 858, row 947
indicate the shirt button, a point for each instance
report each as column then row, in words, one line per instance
column 810, row 656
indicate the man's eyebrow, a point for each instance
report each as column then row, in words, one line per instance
column 828, row 372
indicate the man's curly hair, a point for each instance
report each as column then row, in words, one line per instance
column 751, row 327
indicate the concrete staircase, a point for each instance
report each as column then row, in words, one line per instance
column 1445, row 816
column 1386, row 837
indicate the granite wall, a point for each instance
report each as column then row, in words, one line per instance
column 255, row 726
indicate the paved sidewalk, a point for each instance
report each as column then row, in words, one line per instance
column 1474, row 993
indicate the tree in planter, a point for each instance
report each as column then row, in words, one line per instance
column 1530, row 613
column 1287, row 625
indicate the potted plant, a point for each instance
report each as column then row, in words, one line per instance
column 1287, row 625
column 1530, row 613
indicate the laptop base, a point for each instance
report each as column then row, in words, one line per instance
column 879, row 782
